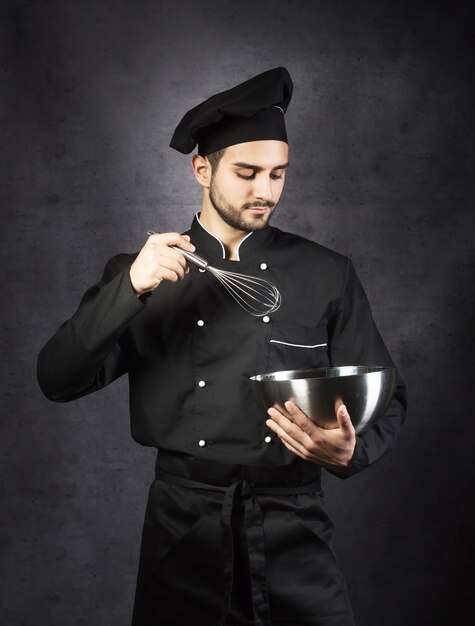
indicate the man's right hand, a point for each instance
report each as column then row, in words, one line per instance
column 158, row 261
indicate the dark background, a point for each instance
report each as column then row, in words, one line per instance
column 381, row 170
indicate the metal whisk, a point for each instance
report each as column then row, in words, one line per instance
column 255, row 295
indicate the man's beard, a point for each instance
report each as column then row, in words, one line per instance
column 235, row 217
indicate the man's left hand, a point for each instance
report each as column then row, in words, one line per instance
column 331, row 448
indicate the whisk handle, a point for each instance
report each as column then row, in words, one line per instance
column 193, row 258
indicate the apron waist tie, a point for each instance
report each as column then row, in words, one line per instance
column 245, row 492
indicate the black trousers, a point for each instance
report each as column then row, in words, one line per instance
column 228, row 545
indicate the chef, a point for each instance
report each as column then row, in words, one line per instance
column 235, row 530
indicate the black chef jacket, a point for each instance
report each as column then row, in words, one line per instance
column 189, row 351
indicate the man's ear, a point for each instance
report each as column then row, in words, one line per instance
column 201, row 169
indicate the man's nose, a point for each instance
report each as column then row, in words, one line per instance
column 262, row 188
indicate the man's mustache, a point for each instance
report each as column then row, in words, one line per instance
column 258, row 205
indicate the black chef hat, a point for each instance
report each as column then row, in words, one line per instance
column 251, row 111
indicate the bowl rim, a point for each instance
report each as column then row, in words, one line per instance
column 326, row 373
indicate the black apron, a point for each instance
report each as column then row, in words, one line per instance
column 224, row 545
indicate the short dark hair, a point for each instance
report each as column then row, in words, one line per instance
column 215, row 157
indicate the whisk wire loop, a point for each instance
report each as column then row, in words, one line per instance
column 255, row 295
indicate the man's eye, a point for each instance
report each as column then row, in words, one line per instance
column 276, row 176
column 247, row 177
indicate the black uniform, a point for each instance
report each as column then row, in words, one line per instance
column 236, row 530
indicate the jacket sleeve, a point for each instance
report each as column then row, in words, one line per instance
column 85, row 354
column 354, row 339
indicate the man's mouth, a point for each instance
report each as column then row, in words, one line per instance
column 258, row 210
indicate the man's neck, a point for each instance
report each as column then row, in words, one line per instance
column 229, row 236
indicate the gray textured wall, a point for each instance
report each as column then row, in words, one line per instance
column 381, row 170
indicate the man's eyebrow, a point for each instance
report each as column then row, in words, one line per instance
column 257, row 168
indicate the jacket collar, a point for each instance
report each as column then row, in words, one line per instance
column 212, row 248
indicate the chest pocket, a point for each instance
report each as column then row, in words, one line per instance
column 294, row 347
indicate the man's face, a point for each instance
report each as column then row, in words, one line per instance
column 248, row 182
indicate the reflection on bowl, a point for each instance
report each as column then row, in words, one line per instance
column 365, row 391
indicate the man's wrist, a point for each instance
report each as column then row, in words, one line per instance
column 140, row 293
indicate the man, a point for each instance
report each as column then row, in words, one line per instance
column 235, row 530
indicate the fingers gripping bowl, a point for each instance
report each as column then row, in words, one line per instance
column 365, row 391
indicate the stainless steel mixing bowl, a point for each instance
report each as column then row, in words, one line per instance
column 365, row 391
